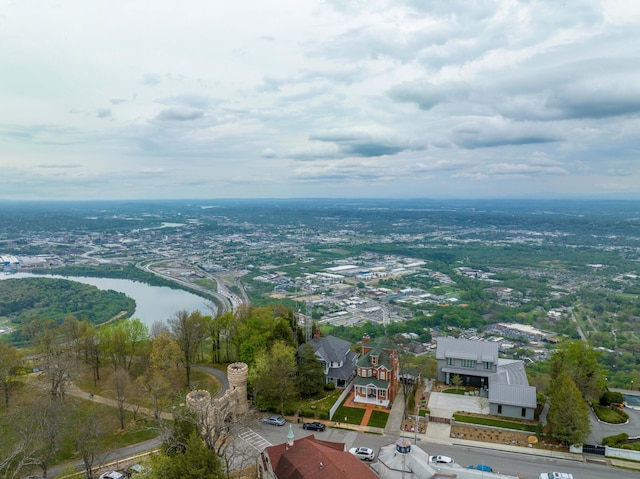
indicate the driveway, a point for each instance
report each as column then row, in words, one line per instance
column 444, row 405
column 600, row 430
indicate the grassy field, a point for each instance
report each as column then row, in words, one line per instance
column 488, row 421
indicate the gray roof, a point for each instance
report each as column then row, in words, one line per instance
column 510, row 371
column 346, row 371
column 467, row 349
column 512, row 395
column 330, row 348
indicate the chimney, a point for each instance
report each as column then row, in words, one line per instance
column 316, row 336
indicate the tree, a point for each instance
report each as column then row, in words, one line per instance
column 121, row 382
column 582, row 363
column 274, row 376
column 456, row 381
column 9, row 362
column 188, row 332
column 309, row 371
column 569, row 412
column 196, row 461
column 87, row 434
column 164, row 353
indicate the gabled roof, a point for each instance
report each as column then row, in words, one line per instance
column 379, row 383
column 479, row 351
column 311, row 458
column 330, row 348
column 346, row 371
column 508, row 394
column 378, row 349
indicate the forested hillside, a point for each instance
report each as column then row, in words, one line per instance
column 25, row 299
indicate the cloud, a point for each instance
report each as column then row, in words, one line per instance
column 103, row 112
column 179, row 114
column 150, row 79
column 268, row 153
column 366, row 142
column 117, row 101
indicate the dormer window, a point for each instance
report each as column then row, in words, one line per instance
column 374, row 360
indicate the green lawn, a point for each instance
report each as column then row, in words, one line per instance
column 378, row 419
column 610, row 414
column 459, row 391
column 350, row 415
column 488, row 421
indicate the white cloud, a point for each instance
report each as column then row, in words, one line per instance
column 318, row 98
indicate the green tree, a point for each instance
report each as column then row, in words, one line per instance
column 195, row 462
column 569, row 412
column 9, row 362
column 310, row 372
column 582, row 363
column 456, row 380
column 274, row 376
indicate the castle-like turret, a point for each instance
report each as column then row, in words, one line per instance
column 238, row 374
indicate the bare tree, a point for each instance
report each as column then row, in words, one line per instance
column 188, row 332
column 121, row 382
column 87, row 432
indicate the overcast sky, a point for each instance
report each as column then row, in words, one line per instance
column 306, row 98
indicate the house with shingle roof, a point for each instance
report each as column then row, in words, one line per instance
column 503, row 381
column 311, row 458
column 377, row 373
column 336, row 357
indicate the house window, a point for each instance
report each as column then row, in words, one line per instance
column 383, row 393
column 451, row 362
column 468, row 363
column 524, row 412
column 499, row 408
column 381, row 375
column 486, row 365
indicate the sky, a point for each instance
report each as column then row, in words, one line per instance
column 158, row 99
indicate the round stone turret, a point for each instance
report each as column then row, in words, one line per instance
column 199, row 400
column 238, row 374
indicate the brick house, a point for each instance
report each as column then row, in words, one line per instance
column 377, row 373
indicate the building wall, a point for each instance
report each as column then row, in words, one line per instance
column 511, row 411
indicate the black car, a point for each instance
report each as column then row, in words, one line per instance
column 314, row 426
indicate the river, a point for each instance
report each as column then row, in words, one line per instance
column 153, row 303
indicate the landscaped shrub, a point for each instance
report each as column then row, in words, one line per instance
column 611, row 414
column 615, row 440
column 306, row 413
column 330, row 386
column 323, row 414
column 611, row 397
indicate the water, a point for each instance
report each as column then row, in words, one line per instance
column 153, row 303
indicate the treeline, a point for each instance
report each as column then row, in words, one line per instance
column 25, row 300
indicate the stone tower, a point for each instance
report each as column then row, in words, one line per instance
column 237, row 374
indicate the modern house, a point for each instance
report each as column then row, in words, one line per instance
column 377, row 373
column 311, row 458
column 336, row 357
column 476, row 363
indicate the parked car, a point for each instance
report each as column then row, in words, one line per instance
column 556, row 475
column 363, row 453
column 441, row 459
column 314, row 426
column 480, row 467
column 274, row 420
column 112, row 475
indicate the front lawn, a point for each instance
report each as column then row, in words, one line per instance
column 459, row 391
column 350, row 415
column 378, row 419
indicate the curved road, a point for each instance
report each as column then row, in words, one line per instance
column 118, row 458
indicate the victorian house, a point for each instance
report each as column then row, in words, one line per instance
column 377, row 373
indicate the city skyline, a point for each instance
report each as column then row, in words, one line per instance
column 398, row 99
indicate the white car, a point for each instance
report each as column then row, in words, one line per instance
column 363, row 453
column 112, row 475
column 441, row 459
column 556, row 475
